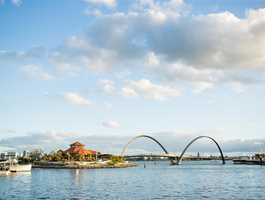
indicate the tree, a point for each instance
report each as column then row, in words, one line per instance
column 116, row 159
column 36, row 155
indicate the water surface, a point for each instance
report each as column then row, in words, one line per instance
column 159, row 180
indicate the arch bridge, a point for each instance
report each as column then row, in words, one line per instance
column 143, row 136
column 175, row 160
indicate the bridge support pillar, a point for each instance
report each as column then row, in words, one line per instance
column 174, row 161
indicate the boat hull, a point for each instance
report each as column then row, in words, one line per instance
column 20, row 168
column 4, row 173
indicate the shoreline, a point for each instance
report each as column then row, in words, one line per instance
column 80, row 165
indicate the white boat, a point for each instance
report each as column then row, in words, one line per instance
column 4, row 169
column 13, row 166
column 4, row 172
column 20, row 168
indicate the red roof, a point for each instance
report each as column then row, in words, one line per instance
column 78, row 148
column 77, row 144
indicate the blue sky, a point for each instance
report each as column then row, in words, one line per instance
column 119, row 68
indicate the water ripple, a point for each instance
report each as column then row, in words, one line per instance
column 154, row 182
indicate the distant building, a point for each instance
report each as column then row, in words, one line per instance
column 78, row 148
column 8, row 155
column 25, row 154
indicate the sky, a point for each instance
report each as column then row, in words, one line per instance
column 113, row 69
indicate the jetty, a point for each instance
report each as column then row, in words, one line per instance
column 248, row 162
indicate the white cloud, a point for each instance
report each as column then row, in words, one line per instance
column 107, row 86
column 160, row 11
column 162, row 38
column 16, row 2
column 110, row 124
column 19, row 57
column 180, row 71
column 76, row 99
column 78, row 53
column 200, row 87
column 129, row 92
column 152, row 60
column 149, row 90
column 109, row 3
column 171, row 140
column 39, row 140
column 36, row 72
column 94, row 12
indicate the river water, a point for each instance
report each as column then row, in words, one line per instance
column 158, row 180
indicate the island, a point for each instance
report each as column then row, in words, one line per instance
column 78, row 157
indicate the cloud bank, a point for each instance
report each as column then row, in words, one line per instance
column 173, row 141
column 167, row 41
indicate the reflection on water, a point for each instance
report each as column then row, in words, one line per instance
column 76, row 175
column 20, row 173
column 191, row 180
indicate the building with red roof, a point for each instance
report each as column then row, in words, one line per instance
column 78, row 148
